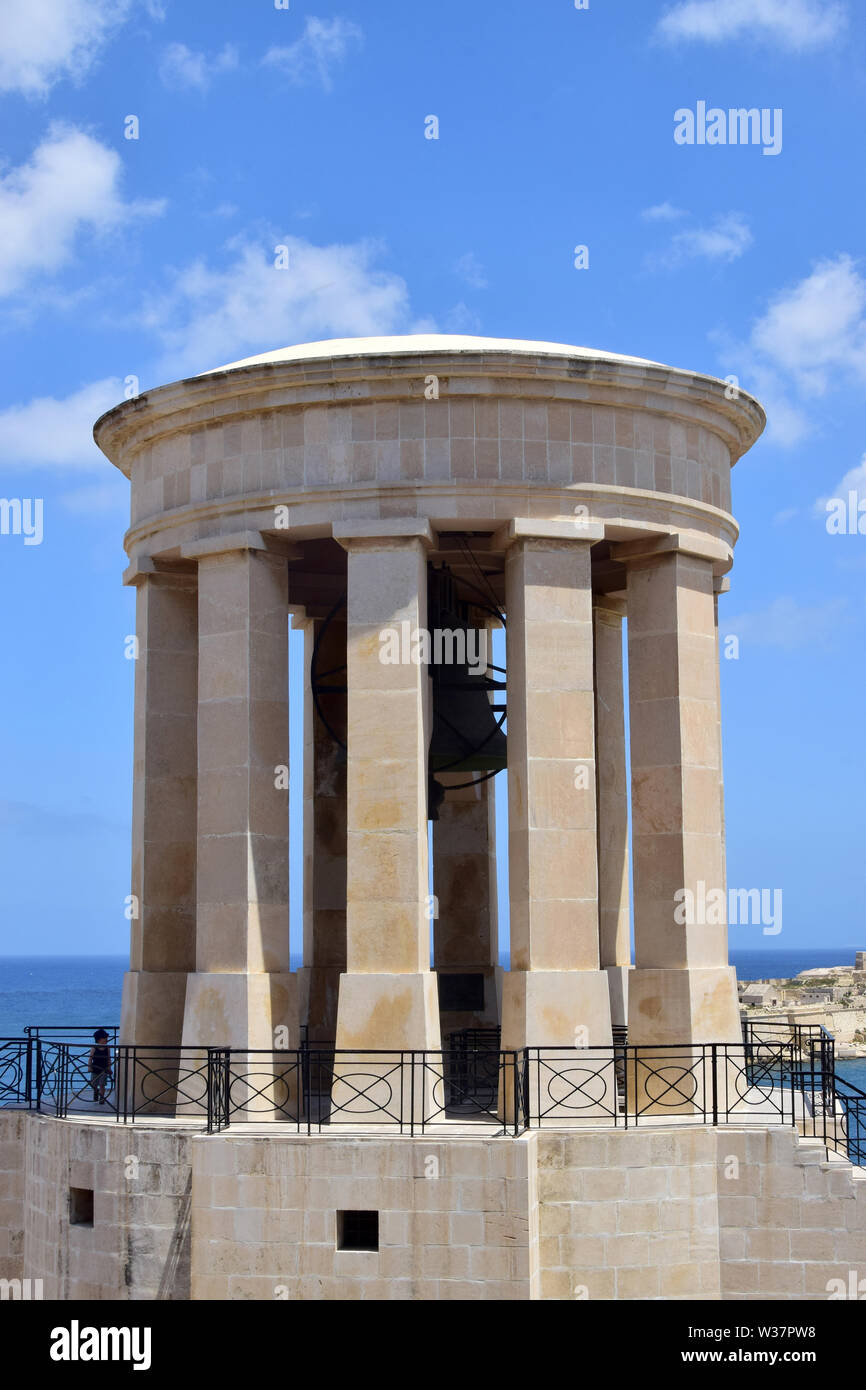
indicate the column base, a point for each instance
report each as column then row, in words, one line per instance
column 669, row 1010
column 148, row 1079
column 236, row 1009
column 249, row 1013
column 152, row 1007
column 697, row 1004
column 381, row 1018
column 388, row 1011
column 617, row 980
column 318, row 991
column 562, row 1019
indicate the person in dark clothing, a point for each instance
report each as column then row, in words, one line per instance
column 99, row 1063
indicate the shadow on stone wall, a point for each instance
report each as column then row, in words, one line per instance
column 174, row 1283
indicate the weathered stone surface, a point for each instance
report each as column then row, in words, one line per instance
column 552, row 1215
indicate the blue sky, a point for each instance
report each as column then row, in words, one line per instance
column 257, row 127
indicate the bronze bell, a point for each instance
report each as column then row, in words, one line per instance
column 466, row 733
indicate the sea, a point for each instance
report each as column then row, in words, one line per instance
column 84, row 991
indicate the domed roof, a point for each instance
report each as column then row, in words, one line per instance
column 424, row 343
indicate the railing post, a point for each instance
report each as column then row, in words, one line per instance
column 828, row 1063
column 411, row 1089
column 714, row 1063
column 125, row 1051
column 224, row 1063
column 306, row 1087
column 227, row 1083
column 38, row 1072
column 625, row 1070
column 62, row 1101
column 521, row 1095
column 211, row 1089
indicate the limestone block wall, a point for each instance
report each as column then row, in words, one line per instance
column 456, row 1218
column 628, row 1215
column 789, row 1221
column 12, row 1189
column 843, row 1023
column 691, row 1213
column 390, row 441
column 138, row 1244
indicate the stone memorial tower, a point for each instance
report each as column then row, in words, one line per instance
column 400, row 1117
column 563, row 491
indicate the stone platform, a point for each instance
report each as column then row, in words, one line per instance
column 672, row 1212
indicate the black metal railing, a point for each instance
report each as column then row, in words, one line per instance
column 318, row 1088
column 70, row 1032
column 807, row 1039
column 15, row 1061
column 629, row 1085
column 780, row 1074
column 850, row 1125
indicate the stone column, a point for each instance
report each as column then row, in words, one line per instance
column 612, row 802
column 555, row 995
column 721, row 585
column 242, row 991
column 164, row 807
column 465, row 929
column 388, row 993
column 324, row 842
column 682, row 989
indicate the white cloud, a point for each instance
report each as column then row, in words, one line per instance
column 49, row 432
column 725, row 240
column 794, row 25
column 43, row 41
column 71, row 184
column 817, row 327
column 212, row 316
column 470, row 269
column 787, row 623
column 323, row 46
column 461, row 319
column 853, row 481
column 788, row 426
column 662, row 212
column 787, row 423
column 183, row 67
column 811, row 337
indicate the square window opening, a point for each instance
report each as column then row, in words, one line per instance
column 81, row 1206
column 357, row 1230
